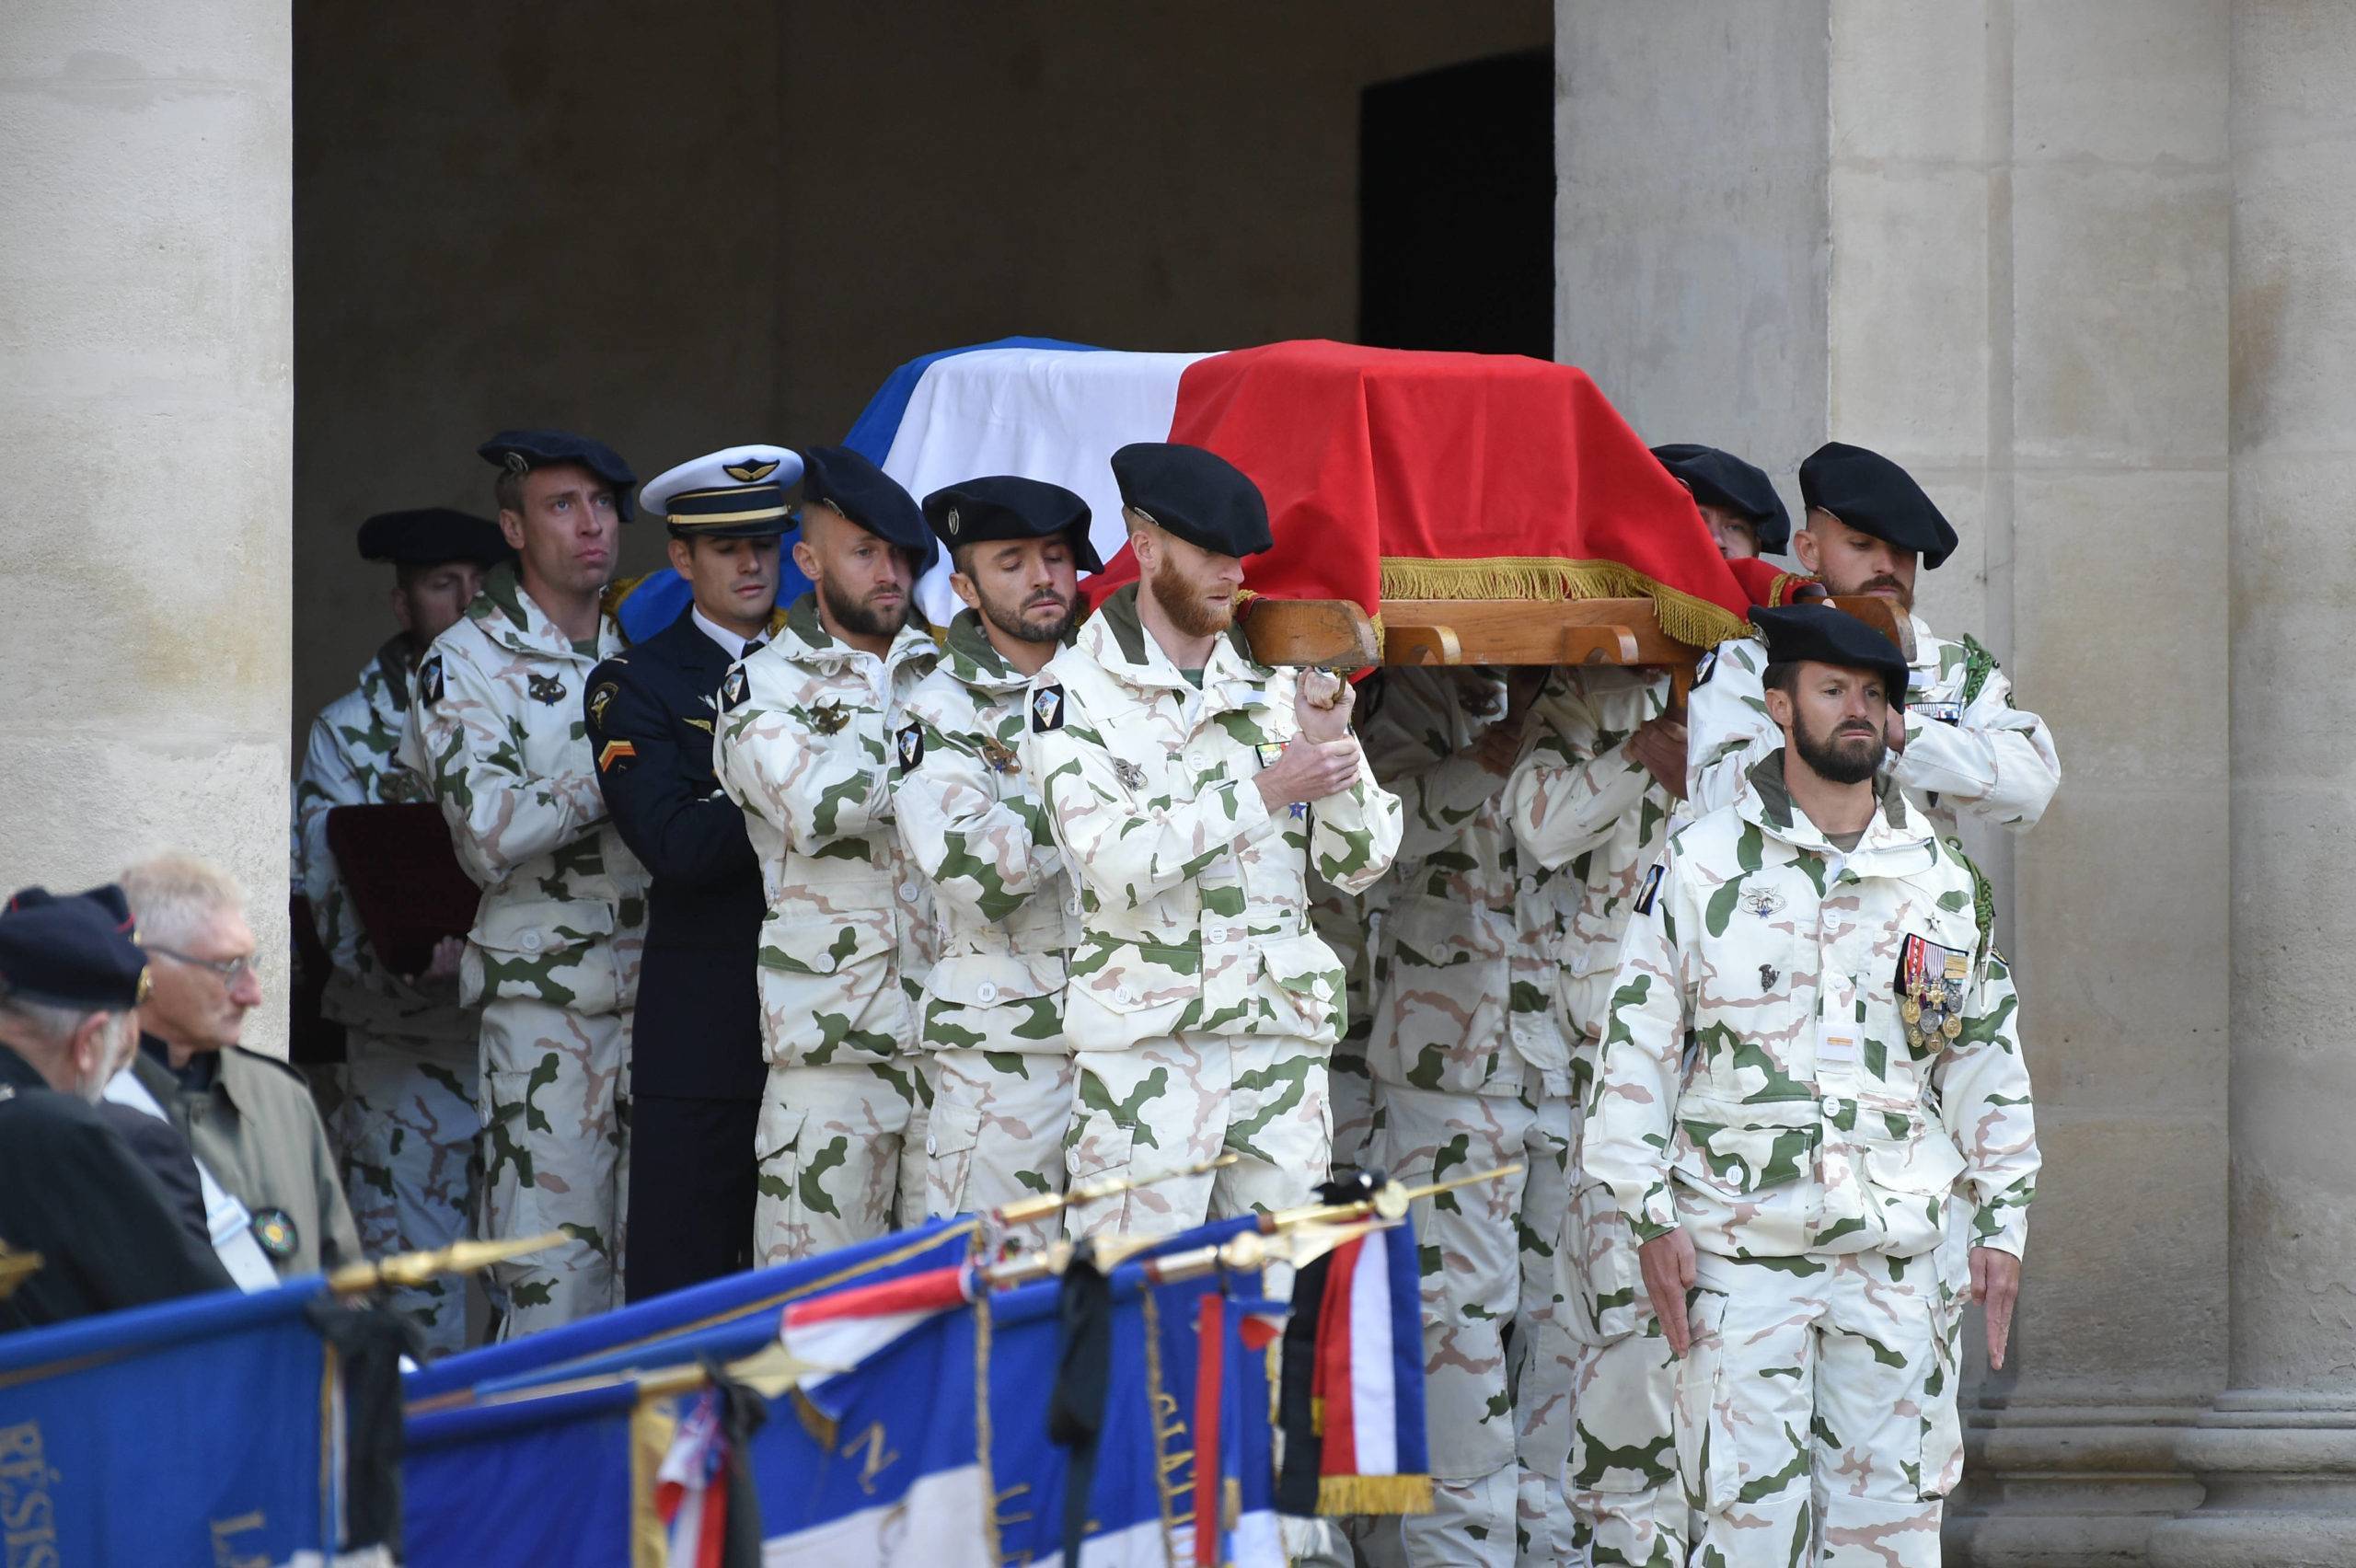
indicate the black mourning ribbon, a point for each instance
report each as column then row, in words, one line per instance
column 1083, row 1378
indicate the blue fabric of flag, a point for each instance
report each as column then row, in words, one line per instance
column 188, row 1431
column 1407, row 1348
column 639, row 1335
column 665, row 596
column 543, row 1480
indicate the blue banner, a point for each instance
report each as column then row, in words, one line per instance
column 192, row 1431
column 543, row 1480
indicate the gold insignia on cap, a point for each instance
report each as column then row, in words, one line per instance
column 751, row 471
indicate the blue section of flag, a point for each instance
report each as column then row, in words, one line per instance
column 635, row 1336
column 664, row 596
column 189, row 1431
column 544, row 1480
column 1407, row 1347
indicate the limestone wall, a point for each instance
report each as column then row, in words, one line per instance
column 145, row 422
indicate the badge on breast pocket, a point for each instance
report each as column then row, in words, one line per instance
column 1047, row 710
column 911, row 748
column 1930, row 991
column 546, row 689
column 732, row 689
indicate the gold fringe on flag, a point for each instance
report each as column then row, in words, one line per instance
column 1338, row 1494
column 1684, row 615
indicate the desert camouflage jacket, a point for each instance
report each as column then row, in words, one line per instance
column 1468, row 995
column 1968, row 749
column 805, row 741
column 352, row 761
column 972, row 823
column 1581, row 807
column 496, row 730
column 1194, row 903
column 1853, row 1042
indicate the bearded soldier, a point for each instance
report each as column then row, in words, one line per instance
column 1191, row 787
column 807, row 728
column 1960, row 746
column 410, row 1124
column 553, row 956
column 971, row 819
column 1853, row 1065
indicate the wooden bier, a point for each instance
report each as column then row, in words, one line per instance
column 1335, row 634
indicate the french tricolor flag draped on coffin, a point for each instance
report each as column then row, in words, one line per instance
column 1388, row 473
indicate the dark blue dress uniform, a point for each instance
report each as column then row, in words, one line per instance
column 695, row 1065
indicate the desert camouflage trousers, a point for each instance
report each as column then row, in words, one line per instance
column 997, row 1131
column 555, row 1100
column 409, row 1123
column 1169, row 1102
column 1350, row 1088
column 1497, row 1354
column 1627, row 1507
column 839, row 1153
column 1816, row 1415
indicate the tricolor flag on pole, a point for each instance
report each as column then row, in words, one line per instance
column 691, row 1487
column 1374, row 1455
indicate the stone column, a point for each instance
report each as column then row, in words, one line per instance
column 1989, row 239
column 146, row 418
column 2278, row 1451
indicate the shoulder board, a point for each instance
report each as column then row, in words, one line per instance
column 1047, row 709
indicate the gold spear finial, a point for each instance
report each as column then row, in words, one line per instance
column 15, row 1268
column 459, row 1257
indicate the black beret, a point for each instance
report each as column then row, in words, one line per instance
column 1822, row 635
column 431, row 535
column 74, row 952
column 524, row 450
column 1721, row 478
column 1005, row 507
column 1196, row 494
column 1872, row 494
column 839, row 478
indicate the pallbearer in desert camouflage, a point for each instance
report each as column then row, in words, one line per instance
column 1589, row 805
column 1471, row 1065
column 1191, row 787
column 553, row 957
column 409, row 1123
column 993, row 1009
column 807, row 728
column 1854, row 1061
column 1960, row 747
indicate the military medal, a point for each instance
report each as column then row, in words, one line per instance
column 274, row 1230
column 546, row 689
column 1930, row 991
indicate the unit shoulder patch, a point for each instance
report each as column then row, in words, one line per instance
column 600, row 700
column 429, row 679
column 911, row 748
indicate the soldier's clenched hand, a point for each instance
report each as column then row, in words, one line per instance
column 1658, row 746
column 1996, row 1284
column 1321, row 705
column 1668, row 1261
column 1309, row 770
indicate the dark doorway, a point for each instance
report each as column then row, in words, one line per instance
column 1456, row 208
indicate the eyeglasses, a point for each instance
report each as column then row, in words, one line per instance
column 230, row 969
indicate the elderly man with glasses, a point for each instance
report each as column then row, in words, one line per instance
column 248, row 1117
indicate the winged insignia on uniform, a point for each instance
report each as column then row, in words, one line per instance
column 546, row 689
column 1130, row 775
column 999, row 755
column 750, row 472
column 828, row 718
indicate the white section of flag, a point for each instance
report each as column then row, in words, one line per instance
column 1051, row 414
column 1374, row 1418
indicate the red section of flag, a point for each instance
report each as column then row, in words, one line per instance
column 1210, row 1372
column 1368, row 455
column 930, row 1291
column 1338, row 1450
